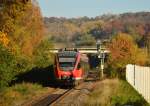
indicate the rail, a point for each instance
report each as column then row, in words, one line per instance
column 59, row 98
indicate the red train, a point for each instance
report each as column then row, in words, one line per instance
column 68, row 68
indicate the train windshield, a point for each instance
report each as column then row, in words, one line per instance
column 67, row 61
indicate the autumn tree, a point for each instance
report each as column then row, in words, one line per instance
column 23, row 22
column 124, row 51
column 21, row 34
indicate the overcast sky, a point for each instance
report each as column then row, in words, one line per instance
column 91, row 8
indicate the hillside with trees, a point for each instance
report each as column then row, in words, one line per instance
column 101, row 27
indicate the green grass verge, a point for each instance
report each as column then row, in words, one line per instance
column 20, row 93
column 114, row 92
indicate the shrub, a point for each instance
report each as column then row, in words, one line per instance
column 126, row 95
column 7, row 66
column 19, row 94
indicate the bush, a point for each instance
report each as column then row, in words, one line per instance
column 7, row 66
column 126, row 95
column 22, row 93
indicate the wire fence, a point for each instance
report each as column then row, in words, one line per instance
column 139, row 78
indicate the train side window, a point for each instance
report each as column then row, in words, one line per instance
column 79, row 66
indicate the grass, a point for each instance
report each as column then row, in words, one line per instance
column 20, row 93
column 114, row 92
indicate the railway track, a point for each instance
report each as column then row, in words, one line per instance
column 76, row 96
column 68, row 97
column 50, row 99
column 65, row 97
column 57, row 100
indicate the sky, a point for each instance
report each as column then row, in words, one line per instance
column 90, row 8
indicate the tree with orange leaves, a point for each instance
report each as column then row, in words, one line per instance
column 124, row 51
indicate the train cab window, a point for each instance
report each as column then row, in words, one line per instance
column 67, row 60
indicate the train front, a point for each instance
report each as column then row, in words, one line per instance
column 67, row 67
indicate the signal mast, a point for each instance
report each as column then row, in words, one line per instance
column 101, row 56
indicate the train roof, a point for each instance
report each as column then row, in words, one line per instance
column 67, row 52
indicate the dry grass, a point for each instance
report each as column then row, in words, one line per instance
column 21, row 93
column 102, row 94
column 114, row 92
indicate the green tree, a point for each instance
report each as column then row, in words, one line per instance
column 42, row 56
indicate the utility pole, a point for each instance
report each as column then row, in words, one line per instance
column 101, row 56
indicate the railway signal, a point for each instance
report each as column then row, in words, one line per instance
column 101, row 56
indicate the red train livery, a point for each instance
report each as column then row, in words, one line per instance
column 68, row 68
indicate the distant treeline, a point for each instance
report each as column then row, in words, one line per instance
column 101, row 27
